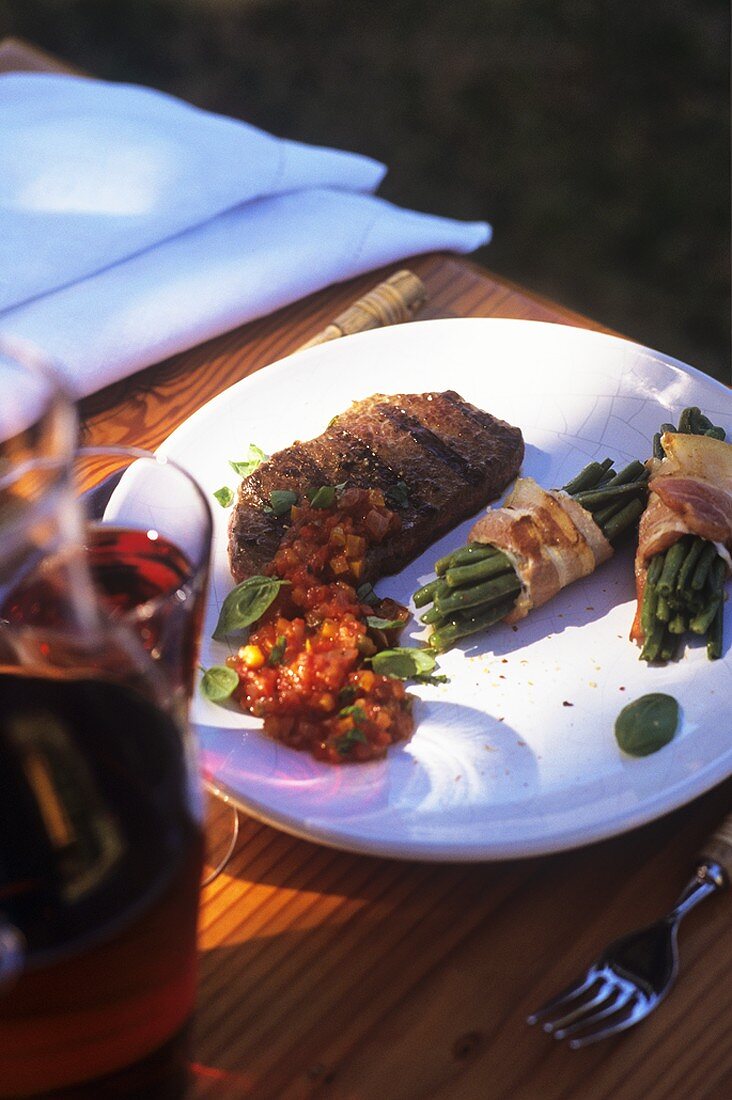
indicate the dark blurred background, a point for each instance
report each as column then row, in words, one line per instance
column 595, row 136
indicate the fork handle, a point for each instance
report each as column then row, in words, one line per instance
column 718, row 849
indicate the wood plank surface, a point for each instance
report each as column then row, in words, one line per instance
column 329, row 975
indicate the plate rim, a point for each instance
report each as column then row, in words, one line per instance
column 413, row 851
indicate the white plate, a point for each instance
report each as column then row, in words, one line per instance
column 516, row 755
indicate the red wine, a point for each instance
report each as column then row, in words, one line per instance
column 100, row 836
column 100, row 861
column 138, row 575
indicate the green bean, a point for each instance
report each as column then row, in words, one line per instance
column 480, row 571
column 667, row 428
column 431, row 617
column 648, row 608
column 689, row 601
column 658, row 451
column 634, row 471
column 663, row 611
column 719, row 574
column 617, row 524
column 650, row 596
column 669, row 647
column 716, row 432
column 676, row 601
column 602, row 515
column 655, row 569
column 678, row 624
column 463, row 627
column 715, row 596
column 674, row 559
column 474, row 551
column 595, row 498
column 700, row 623
column 685, row 421
column 426, row 593
column 697, row 420
column 653, row 642
column 700, row 423
column 704, row 564
column 689, row 564
column 477, row 594
column 714, row 635
column 588, row 477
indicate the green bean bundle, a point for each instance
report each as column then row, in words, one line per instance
column 477, row 585
column 684, row 584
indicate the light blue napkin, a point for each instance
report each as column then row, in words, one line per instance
column 134, row 226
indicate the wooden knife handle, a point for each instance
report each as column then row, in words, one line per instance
column 718, row 847
column 389, row 303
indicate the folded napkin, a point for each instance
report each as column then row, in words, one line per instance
column 134, row 226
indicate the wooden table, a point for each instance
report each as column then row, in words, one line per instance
column 329, row 975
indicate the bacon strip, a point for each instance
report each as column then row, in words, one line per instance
column 550, row 539
column 690, row 494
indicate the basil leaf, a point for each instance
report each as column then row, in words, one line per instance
column 346, row 741
column 398, row 494
column 255, row 457
column 403, row 663
column 224, row 495
column 647, row 724
column 346, row 693
column 281, row 500
column 355, row 711
column 277, row 651
column 245, row 604
column 383, row 624
column 324, row 497
column 218, row 683
column 366, row 594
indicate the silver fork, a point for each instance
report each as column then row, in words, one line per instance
column 633, row 975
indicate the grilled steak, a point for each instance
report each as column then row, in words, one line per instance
column 451, row 457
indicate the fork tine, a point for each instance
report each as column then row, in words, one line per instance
column 639, row 1010
column 585, row 1008
column 565, row 997
column 623, row 995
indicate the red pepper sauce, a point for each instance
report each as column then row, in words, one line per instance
column 303, row 668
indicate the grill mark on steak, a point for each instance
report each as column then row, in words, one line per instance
column 467, row 412
column 450, row 416
column 469, row 430
column 350, row 459
column 422, row 469
column 452, row 457
column 368, row 471
column 427, row 439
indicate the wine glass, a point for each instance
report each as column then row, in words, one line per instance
column 100, row 802
column 38, row 419
column 153, row 577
